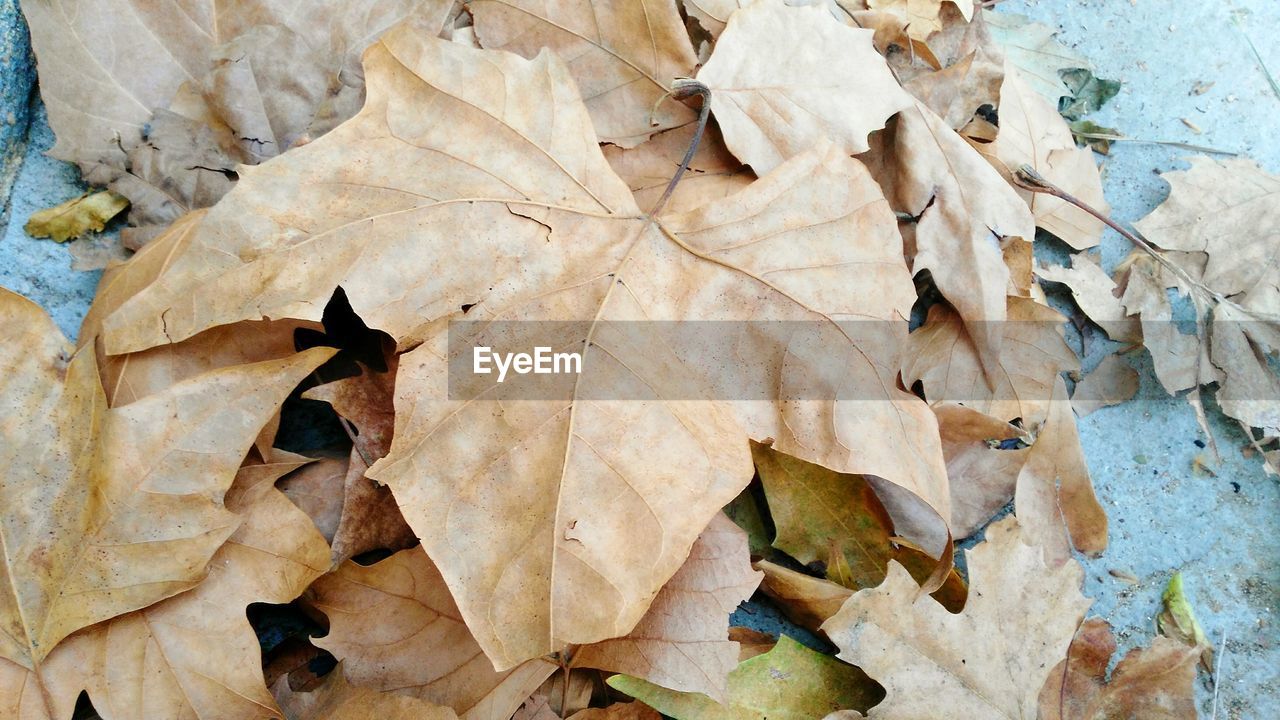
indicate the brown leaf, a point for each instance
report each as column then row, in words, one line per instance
column 254, row 75
column 1033, row 133
column 920, row 17
column 956, row 92
column 935, row 664
column 1155, row 683
column 75, row 217
column 713, row 174
column 110, row 510
column 1095, row 292
column 317, row 490
column 623, row 56
column 982, row 477
column 964, row 207
column 608, row 505
column 1056, row 504
column 944, row 359
column 681, row 643
column 395, row 627
column 1114, row 381
column 1181, row 361
column 807, row 600
column 784, row 78
column 196, row 654
column 336, row 700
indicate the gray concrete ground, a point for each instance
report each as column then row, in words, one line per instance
column 1221, row 529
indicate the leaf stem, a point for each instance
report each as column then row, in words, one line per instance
column 685, row 88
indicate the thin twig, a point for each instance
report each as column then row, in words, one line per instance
column 1271, row 79
column 1112, row 137
column 1217, row 671
column 681, row 89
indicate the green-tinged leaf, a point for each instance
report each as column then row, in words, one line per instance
column 744, row 511
column 790, row 682
column 77, row 216
column 817, row 510
column 1091, row 134
column 1030, row 46
column 1088, row 93
column 1178, row 620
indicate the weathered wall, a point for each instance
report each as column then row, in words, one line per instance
column 17, row 78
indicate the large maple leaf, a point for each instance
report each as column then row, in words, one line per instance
column 472, row 184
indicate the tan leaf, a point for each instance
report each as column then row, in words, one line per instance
column 943, row 358
column 1181, row 360
column 1229, row 209
column 1031, row 48
column 196, row 654
column 336, row 700
column 317, row 490
column 395, row 627
column 109, row 511
column 713, row 15
column 935, row 664
column 623, row 56
column 1114, row 381
column 1055, row 500
column 956, row 92
column 681, row 643
column 782, row 79
column 1033, row 133
column 807, row 600
column 1155, row 683
column 255, row 72
column 1250, row 387
column 982, row 476
column 713, row 173
column 964, row 207
column 75, row 217
column 920, row 16
column 607, row 497
column 751, row 642
column 1095, row 292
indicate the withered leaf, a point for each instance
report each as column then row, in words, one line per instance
column 110, row 510
column 1114, row 381
column 982, row 476
column 1095, row 292
column 784, row 78
column 609, row 496
column 75, row 217
column 1031, row 48
column 936, row 664
column 337, row 700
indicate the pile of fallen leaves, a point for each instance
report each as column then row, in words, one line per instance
column 319, row 190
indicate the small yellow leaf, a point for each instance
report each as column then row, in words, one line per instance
column 75, row 217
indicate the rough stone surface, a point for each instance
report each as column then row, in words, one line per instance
column 16, row 81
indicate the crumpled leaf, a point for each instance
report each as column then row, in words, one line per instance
column 981, row 471
column 623, row 56
column 1095, row 292
column 713, row 174
column 964, row 207
column 713, row 15
column 196, row 654
column 681, row 643
column 784, row 78
column 546, row 214
column 1178, row 621
column 808, row 601
column 110, row 510
column 1154, row 683
column 1056, row 505
column 337, row 700
column 921, row 17
column 956, row 92
column 1033, row 133
column 942, row 356
column 1088, row 93
column 790, row 682
column 241, row 83
column 935, row 664
column 1030, row 46
column 395, row 627
column 75, row 217
column 1114, row 381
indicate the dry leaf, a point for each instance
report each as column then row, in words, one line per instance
column 623, row 56
column 713, row 173
column 254, row 74
column 943, row 358
column 956, row 92
column 1031, row 48
column 1180, row 360
column 635, row 710
column 713, row 15
column 1155, row 683
column 1178, row 621
column 195, row 655
column 1095, row 292
column 1033, row 133
column 336, row 700
column 989, row 661
column 1056, row 504
column 549, row 214
column 395, row 627
column 964, row 207
column 681, row 642
column 1114, row 381
column 807, row 600
column 982, row 475
column 317, row 490
column 920, row 17
column 790, row 682
column 751, row 642
column 783, row 78
column 110, row 510
column 75, row 217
